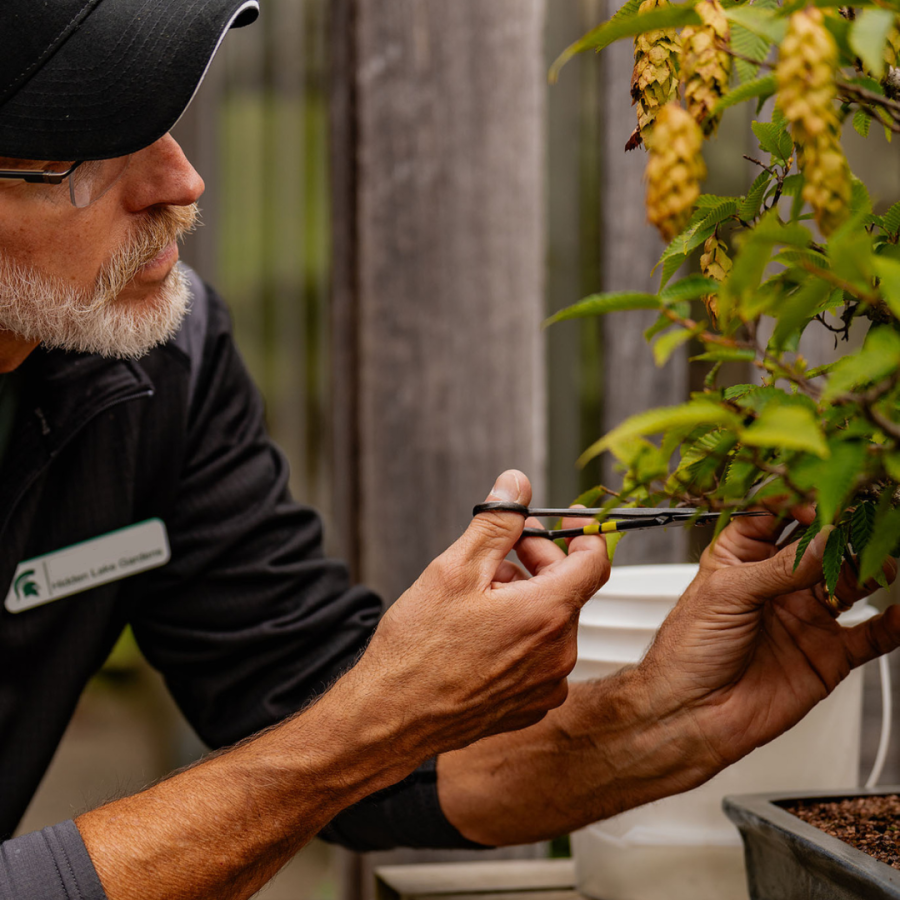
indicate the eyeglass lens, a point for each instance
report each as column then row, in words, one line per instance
column 92, row 179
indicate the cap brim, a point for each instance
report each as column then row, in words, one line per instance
column 121, row 81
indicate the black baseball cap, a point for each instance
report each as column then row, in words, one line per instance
column 93, row 79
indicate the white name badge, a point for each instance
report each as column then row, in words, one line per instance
column 89, row 564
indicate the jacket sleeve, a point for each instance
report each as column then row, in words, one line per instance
column 52, row 864
column 250, row 622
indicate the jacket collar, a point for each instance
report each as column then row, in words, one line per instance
column 62, row 391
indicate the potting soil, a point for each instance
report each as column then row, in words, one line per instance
column 871, row 824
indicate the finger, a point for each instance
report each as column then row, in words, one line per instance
column 491, row 535
column 576, row 577
column 873, row 638
column 848, row 588
column 536, row 553
column 746, row 539
column 753, row 583
column 584, row 541
column 508, row 572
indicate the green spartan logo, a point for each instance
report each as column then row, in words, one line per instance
column 25, row 586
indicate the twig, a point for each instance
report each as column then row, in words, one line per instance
column 871, row 98
column 831, row 278
column 769, row 169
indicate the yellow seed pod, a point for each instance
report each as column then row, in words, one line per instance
column 714, row 263
column 806, row 69
column 674, row 170
column 827, row 186
column 807, row 64
column 654, row 81
column 705, row 66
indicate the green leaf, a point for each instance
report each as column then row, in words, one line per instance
column 878, row 359
column 861, row 122
column 703, row 223
column 868, row 37
column 892, row 219
column 601, row 304
column 671, row 264
column 725, row 354
column 837, row 476
column 788, row 428
column 771, row 230
column 627, row 23
column 888, row 270
column 751, row 203
column 754, row 47
column 661, row 324
column 806, row 539
column 690, row 288
column 797, row 256
column 654, row 421
column 708, row 201
column 885, row 531
column 892, row 465
column 840, row 31
column 721, row 524
column 833, row 559
column 739, row 478
column 792, row 186
column 798, row 309
column 718, row 213
column 769, row 136
column 668, row 343
column 764, row 23
column 860, row 202
column 763, row 87
column 862, row 525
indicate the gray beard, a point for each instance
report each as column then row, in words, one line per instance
column 44, row 309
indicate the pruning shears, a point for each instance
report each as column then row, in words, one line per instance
column 619, row 520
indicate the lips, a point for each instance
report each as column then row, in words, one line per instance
column 166, row 257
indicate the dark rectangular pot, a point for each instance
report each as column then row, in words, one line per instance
column 788, row 859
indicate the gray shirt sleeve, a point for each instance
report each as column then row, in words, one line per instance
column 52, row 864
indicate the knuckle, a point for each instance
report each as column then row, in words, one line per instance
column 448, row 572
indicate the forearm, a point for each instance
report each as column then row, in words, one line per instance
column 610, row 747
column 224, row 827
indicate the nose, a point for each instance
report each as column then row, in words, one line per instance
column 161, row 175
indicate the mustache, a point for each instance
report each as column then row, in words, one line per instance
column 158, row 229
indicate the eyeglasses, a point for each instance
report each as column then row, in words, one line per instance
column 88, row 180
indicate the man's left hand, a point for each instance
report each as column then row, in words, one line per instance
column 754, row 644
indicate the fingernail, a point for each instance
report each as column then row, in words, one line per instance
column 507, row 488
column 817, row 548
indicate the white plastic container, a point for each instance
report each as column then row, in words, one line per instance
column 684, row 846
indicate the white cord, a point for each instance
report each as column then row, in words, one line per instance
column 885, row 739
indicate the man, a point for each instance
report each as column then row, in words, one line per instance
column 134, row 447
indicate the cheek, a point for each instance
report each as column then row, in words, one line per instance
column 58, row 240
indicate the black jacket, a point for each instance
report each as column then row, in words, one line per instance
column 247, row 622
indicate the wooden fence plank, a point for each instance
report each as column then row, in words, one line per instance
column 439, row 264
column 445, row 287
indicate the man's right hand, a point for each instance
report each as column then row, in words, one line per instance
column 476, row 646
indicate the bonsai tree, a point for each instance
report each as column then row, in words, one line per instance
column 802, row 248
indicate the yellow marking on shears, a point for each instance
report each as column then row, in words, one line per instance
column 599, row 528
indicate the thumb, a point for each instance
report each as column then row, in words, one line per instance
column 777, row 576
column 491, row 535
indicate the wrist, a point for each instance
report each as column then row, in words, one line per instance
column 653, row 743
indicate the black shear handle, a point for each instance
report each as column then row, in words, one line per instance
column 501, row 506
